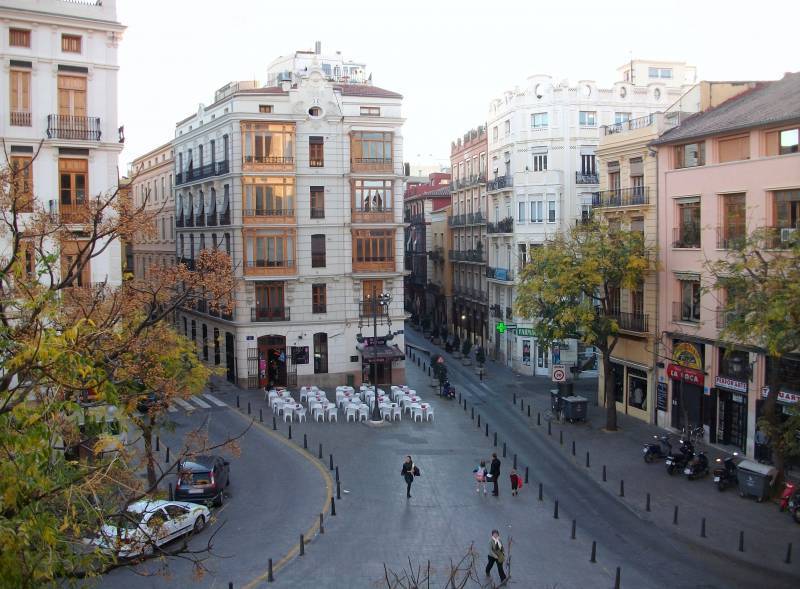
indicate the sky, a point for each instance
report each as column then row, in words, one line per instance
column 447, row 58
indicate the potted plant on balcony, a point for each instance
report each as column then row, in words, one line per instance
column 466, row 347
column 456, row 347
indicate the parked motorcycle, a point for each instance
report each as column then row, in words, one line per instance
column 790, row 500
column 677, row 461
column 448, row 391
column 725, row 472
column 658, row 449
column 697, row 466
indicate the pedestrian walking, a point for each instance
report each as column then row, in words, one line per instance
column 480, row 477
column 516, row 482
column 497, row 556
column 409, row 471
column 494, row 474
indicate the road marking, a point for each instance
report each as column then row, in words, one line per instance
column 214, row 400
column 200, row 402
column 184, row 404
column 171, row 408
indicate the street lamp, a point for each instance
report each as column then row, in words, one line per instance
column 377, row 301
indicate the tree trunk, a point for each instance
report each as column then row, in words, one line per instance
column 608, row 388
column 771, row 415
column 147, row 435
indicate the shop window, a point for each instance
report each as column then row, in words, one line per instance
column 637, row 388
column 618, row 378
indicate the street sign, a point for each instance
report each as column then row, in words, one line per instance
column 501, row 327
column 559, row 373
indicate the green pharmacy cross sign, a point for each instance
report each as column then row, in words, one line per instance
column 501, row 327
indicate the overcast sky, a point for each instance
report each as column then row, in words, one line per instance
column 447, row 58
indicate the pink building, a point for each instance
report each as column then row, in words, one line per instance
column 722, row 173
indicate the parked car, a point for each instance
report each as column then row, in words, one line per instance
column 150, row 523
column 203, row 479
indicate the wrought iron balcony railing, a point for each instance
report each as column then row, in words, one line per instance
column 621, row 197
column 73, row 127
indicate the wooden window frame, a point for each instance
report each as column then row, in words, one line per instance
column 19, row 37
column 317, row 202
column 724, row 141
column 316, row 152
column 70, row 249
column 680, row 154
column 373, row 250
column 22, row 167
column 270, row 301
column 255, row 146
column 77, row 209
column 282, row 265
column 383, row 214
column 319, row 259
column 283, row 192
column 72, row 96
column 319, row 298
column 19, row 97
column 71, row 43
column 265, row 108
column 370, row 111
column 368, row 151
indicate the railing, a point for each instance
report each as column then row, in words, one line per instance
column 201, row 305
column 499, row 183
column 503, row 226
column 268, row 213
column 316, row 163
column 279, row 160
column 731, row 236
column 179, row 220
column 581, row 178
column 72, row 127
column 200, row 219
column 497, row 311
column 437, row 254
column 473, row 180
column 269, row 314
column 269, row 266
column 457, row 220
column 211, row 219
column 509, row 313
column 725, row 317
column 781, row 237
column 226, row 315
column 317, row 213
column 20, row 119
column 683, row 312
column 686, row 236
column 622, row 197
column 476, row 218
column 374, row 215
column 629, row 125
column 503, row 274
column 636, row 322
column 225, row 217
column 189, row 220
column 418, row 219
column 205, row 171
column 371, row 164
column 188, row 262
column 374, row 264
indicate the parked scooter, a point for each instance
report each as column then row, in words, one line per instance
column 677, row 461
column 725, row 472
column 790, row 500
column 448, row 391
column 658, row 449
column 697, row 466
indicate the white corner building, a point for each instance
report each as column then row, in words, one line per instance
column 301, row 182
column 542, row 174
column 59, row 60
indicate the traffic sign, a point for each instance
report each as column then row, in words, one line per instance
column 501, row 327
column 559, row 373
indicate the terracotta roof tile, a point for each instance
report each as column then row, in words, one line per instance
column 366, row 90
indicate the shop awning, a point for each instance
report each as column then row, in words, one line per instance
column 380, row 353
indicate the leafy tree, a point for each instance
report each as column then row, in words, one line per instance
column 758, row 283
column 71, row 357
column 568, row 289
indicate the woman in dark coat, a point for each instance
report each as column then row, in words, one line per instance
column 408, row 474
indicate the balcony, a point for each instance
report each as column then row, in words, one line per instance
column 205, row 171
column 629, row 125
column 497, row 311
column 374, row 215
column 473, row 255
column 225, row 217
column 74, row 214
column 269, row 314
column 277, row 216
column 226, row 315
column 73, row 128
column 211, row 220
column 367, row 310
column 189, row 219
column 686, row 237
column 501, row 274
column 372, row 164
column 457, row 220
column 270, row 268
column 476, row 218
column 731, row 236
column 500, row 183
column 283, row 163
column 200, row 219
column 503, row 226
column 621, row 197
column 179, row 220
column 780, row 237
column 635, row 322
column 726, row 316
column 581, row 178
column 20, row 119
column 418, row 219
column 437, row 254
column 473, row 180
column 374, row 264
column 317, row 213
column 685, row 313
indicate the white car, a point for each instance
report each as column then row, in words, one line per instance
column 150, row 523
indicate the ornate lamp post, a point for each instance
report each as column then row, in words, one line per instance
column 378, row 304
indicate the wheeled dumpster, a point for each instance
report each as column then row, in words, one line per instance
column 575, row 408
column 755, row 479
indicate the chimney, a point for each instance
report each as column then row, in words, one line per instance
column 318, row 47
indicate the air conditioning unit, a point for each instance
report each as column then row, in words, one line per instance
column 786, row 233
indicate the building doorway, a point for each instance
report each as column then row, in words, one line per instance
column 230, row 357
column 272, row 361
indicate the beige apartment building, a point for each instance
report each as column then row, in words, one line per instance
column 152, row 179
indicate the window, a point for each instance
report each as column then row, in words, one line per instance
column 690, row 155
column 540, row 162
column 370, row 287
column 212, row 148
column 537, row 211
column 521, row 213
column 75, row 264
column 494, row 133
column 19, row 38
column 689, row 224
column 318, row 251
column 194, row 330
column 787, row 209
column 659, row 72
column 185, row 327
column 373, row 247
column 551, row 211
column 507, row 159
column 20, row 97
column 267, row 143
column 200, row 154
column 269, row 302
column 507, row 127
column 271, row 196
column 315, row 111
column 72, row 97
column 690, row 301
column 621, row 117
column 587, row 118
column 317, row 202
column 216, row 346
column 371, row 111
column 588, row 165
column 788, row 142
column 372, row 196
column 316, row 155
column 265, row 108
column 73, row 181
column 22, row 170
column 268, row 250
column 70, row 43
column 205, row 342
column 225, row 148
column 320, row 353
column 367, row 147
column 539, row 120
column 734, row 225
column 319, row 298
column 733, row 149
column 228, row 243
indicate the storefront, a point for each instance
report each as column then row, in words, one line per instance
column 691, row 405
column 731, row 383
column 631, row 387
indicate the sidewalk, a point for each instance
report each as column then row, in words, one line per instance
column 767, row 532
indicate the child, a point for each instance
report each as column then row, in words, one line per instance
column 516, row 482
column 480, row 477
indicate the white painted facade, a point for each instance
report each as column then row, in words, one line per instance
column 334, row 67
column 542, row 173
column 340, row 114
column 41, row 62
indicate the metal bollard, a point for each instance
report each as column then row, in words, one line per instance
column 593, row 558
column 604, row 473
column 526, row 475
column 529, row 410
column 741, row 541
column 703, row 528
column 290, row 432
column 487, row 429
column 515, row 462
column 479, row 419
column 305, row 442
column 495, row 439
column 465, row 405
column 573, row 447
column 167, row 458
column 587, row 460
column 459, row 398
column 541, row 495
column 321, row 526
column 515, row 398
column 248, row 407
column 555, row 510
column 549, row 429
column 675, row 516
column 171, row 493
column 574, row 525
column 270, row 577
column 538, row 418
column 337, row 473
column 621, row 488
column 504, row 449
column 319, row 454
column 333, row 507
column 617, row 578
column 330, row 464
column 561, row 437
column 274, row 424
column 158, row 444
column 237, row 401
column 338, row 490
column 260, row 415
column 302, row 546
column 472, row 413
column 522, row 404
column 788, row 559
column 647, row 503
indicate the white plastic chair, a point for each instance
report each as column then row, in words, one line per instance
column 277, row 404
column 300, row 414
column 351, row 411
column 272, row 394
column 416, row 411
column 287, row 412
column 386, row 411
column 363, row 412
column 333, row 414
column 397, row 412
column 427, row 411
